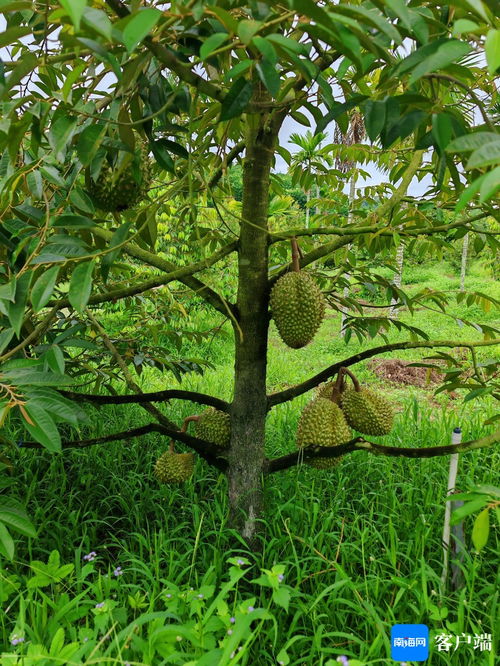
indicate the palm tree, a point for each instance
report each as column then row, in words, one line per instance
column 355, row 134
column 307, row 163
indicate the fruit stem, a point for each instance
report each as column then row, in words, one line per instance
column 295, row 255
column 345, row 371
column 171, row 447
column 188, row 419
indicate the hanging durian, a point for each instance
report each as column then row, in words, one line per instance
column 214, row 426
column 297, row 304
column 123, row 180
column 174, row 467
column 322, row 423
column 366, row 411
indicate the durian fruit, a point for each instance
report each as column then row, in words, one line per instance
column 298, row 308
column 324, row 463
column 174, row 467
column 322, row 423
column 367, row 412
column 214, row 426
column 325, row 390
column 122, row 182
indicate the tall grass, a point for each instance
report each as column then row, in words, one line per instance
column 361, row 543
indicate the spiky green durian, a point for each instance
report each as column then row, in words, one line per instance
column 214, row 426
column 174, row 467
column 367, row 412
column 324, row 463
column 325, row 390
column 122, row 182
column 298, row 308
column 322, row 423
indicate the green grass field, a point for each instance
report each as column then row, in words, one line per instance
column 360, row 545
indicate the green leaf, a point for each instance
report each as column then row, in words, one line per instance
column 89, row 142
column 374, row 117
column 74, row 9
column 469, row 193
column 490, row 185
column 481, row 530
column 35, row 183
column 14, row 514
column 472, row 141
column 484, row 156
column 28, row 376
column 281, row 596
column 43, row 288
column 119, row 236
column 5, row 337
column 449, row 52
column 73, row 222
column 139, row 27
column 314, row 11
column 98, row 21
column 492, row 49
column 15, row 310
column 80, row 285
column 238, row 70
column 400, row 9
column 43, row 429
column 55, row 359
column 236, row 99
column 463, row 25
column 173, row 147
column 286, row 43
column 266, row 48
column 8, row 291
column 11, row 35
column 442, row 129
column 6, row 543
column 60, row 135
column 466, row 509
column 247, row 29
column 269, row 76
column 212, row 43
column 162, row 156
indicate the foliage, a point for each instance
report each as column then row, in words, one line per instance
column 486, row 500
column 92, row 85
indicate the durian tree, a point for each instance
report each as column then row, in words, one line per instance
column 114, row 113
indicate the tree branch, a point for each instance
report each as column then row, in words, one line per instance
column 157, row 281
column 232, row 154
column 157, row 396
column 154, row 411
column 313, row 255
column 357, row 231
column 199, row 287
column 205, row 450
column 361, row 444
column 293, row 392
column 34, row 336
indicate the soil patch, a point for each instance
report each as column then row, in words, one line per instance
column 398, row 371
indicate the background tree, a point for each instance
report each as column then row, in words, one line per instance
column 90, row 89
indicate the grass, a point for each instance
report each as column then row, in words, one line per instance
column 360, row 545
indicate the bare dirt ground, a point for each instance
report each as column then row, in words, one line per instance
column 396, row 370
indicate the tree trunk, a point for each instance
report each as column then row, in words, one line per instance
column 248, row 409
column 352, row 194
column 308, row 196
column 398, row 278
column 463, row 270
